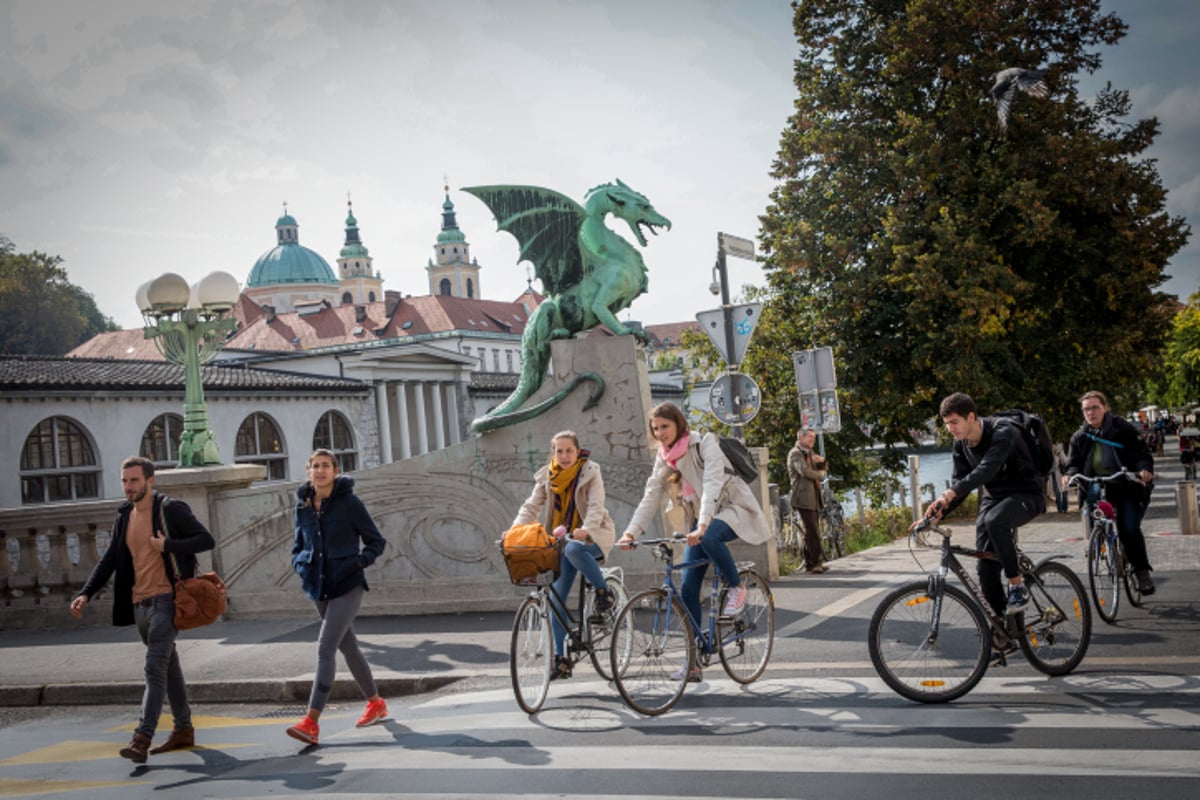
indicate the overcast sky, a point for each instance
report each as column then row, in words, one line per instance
column 143, row 137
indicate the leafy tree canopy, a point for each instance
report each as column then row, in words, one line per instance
column 936, row 253
column 41, row 312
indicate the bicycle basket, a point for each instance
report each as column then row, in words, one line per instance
column 528, row 552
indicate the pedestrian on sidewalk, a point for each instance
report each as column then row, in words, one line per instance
column 330, row 524
column 715, row 507
column 806, row 469
column 571, row 492
column 990, row 454
column 1106, row 444
column 154, row 543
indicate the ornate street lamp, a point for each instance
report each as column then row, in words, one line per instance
column 188, row 325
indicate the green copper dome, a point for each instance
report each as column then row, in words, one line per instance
column 354, row 247
column 288, row 261
column 450, row 233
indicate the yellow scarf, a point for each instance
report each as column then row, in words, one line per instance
column 562, row 486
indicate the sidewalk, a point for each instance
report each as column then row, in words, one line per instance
column 271, row 661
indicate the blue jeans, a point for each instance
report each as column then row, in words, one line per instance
column 578, row 556
column 164, row 676
column 713, row 547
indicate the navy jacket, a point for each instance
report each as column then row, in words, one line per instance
column 1132, row 454
column 185, row 537
column 325, row 550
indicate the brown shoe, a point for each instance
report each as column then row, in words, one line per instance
column 179, row 739
column 137, row 749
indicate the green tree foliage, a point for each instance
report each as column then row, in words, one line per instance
column 1178, row 383
column 41, row 312
column 935, row 253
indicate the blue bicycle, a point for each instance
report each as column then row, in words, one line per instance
column 656, row 643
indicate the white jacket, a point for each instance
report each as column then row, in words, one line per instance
column 723, row 495
column 589, row 501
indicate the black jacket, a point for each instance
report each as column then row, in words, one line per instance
column 1001, row 463
column 1132, row 454
column 325, row 547
column 185, row 537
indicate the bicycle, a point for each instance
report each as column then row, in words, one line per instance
column 656, row 643
column 531, row 655
column 831, row 524
column 1107, row 565
column 931, row 642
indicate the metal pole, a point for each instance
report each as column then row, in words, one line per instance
column 727, row 309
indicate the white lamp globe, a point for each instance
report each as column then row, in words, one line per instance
column 143, row 298
column 168, row 293
column 217, row 292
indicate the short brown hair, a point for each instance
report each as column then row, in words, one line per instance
column 1094, row 395
column 139, row 461
column 958, row 403
column 671, row 413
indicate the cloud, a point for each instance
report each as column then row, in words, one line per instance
column 1180, row 108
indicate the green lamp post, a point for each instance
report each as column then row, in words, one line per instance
column 188, row 325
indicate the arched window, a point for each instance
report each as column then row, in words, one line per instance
column 347, row 298
column 334, row 433
column 470, row 288
column 259, row 442
column 370, row 297
column 58, row 462
column 444, row 287
column 160, row 441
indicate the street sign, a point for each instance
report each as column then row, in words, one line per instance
column 736, row 246
column 820, row 411
column 745, row 319
column 814, row 369
column 722, row 394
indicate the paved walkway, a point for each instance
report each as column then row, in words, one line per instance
column 272, row 660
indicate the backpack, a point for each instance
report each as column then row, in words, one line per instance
column 741, row 461
column 1037, row 439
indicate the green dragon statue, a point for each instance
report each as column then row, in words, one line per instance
column 588, row 274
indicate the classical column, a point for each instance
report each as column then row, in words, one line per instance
column 402, row 418
column 452, row 411
column 384, row 421
column 422, row 423
column 439, row 430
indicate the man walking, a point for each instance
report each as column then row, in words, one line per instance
column 154, row 543
column 806, row 470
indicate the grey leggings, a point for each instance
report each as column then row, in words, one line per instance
column 337, row 633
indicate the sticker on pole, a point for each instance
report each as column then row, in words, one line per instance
column 734, row 391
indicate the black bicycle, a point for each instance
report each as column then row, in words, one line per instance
column 931, row 642
column 1108, row 567
column 832, row 524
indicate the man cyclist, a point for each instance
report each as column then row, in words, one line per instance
column 990, row 454
column 1103, row 445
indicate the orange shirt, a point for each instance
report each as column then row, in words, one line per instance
column 149, row 572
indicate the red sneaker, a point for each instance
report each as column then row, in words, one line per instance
column 376, row 711
column 306, row 730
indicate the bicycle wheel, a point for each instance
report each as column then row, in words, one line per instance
column 652, row 651
column 1133, row 589
column 745, row 640
column 531, row 655
column 1056, row 626
column 926, row 663
column 599, row 635
column 1103, row 573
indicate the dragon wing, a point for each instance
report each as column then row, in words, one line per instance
column 546, row 226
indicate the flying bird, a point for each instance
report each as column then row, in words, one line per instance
column 1030, row 81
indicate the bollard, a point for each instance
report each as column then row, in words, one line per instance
column 1185, row 504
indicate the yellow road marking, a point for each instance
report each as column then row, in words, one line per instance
column 22, row 787
column 203, row 722
column 71, row 751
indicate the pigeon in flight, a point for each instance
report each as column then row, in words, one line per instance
column 1030, row 81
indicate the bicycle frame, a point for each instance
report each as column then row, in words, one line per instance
column 557, row 608
column 706, row 637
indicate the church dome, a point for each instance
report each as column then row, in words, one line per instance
column 288, row 261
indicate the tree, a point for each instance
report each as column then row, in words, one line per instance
column 1178, row 383
column 41, row 312
column 936, row 253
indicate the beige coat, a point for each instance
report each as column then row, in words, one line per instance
column 806, row 481
column 589, row 500
column 723, row 496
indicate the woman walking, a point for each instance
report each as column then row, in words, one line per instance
column 330, row 524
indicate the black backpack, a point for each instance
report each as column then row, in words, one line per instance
column 740, row 460
column 1037, row 439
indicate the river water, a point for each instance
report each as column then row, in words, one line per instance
column 934, row 467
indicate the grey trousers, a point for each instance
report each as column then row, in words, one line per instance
column 164, row 675
column 337, row 633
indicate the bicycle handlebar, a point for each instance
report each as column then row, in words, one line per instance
column 674, row 538
column 1122, row 475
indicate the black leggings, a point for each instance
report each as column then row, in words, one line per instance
column 995, row 532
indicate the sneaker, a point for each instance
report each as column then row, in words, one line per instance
column 736, row 601
column 178, row 740
column 376, row 711
column 562, row 669
column 1145, row 582
column 693, row 674
column 306, row 730
column 1018, row 598
column 604, row 601
column 137, row 749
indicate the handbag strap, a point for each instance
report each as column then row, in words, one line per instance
column 167, row 533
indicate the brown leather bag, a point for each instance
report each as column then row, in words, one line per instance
column 199, row 600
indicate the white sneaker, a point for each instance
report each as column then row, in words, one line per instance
column 735, row 601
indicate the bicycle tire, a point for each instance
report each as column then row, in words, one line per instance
column 1133, row 589
column 918, row 666
column 531, row 655
column 746, row 639
column 1056, row 626
column 652, row 650
column 1103, row 574
column 599, row 637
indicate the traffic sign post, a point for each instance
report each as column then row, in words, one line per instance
column 734, row 391
column 730, row 328
column 816, row 383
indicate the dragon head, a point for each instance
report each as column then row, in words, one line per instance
column 621, row 201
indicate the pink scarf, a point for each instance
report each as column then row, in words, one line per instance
column 672, row 456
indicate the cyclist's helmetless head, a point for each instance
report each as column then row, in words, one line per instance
column 961, row 418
